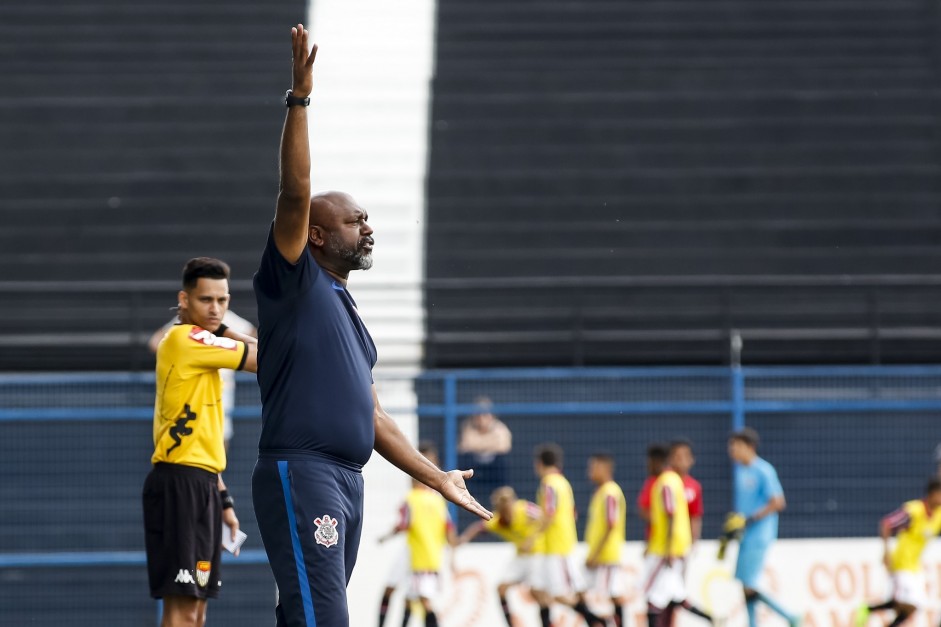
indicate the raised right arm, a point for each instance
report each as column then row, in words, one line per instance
column 293, row 211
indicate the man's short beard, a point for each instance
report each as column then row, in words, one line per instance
column 356, row 258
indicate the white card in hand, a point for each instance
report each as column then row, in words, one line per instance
column 228, row 543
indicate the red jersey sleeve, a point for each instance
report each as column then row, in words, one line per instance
column 694, row 496
column 643, row 498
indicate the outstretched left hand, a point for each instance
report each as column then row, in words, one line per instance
column 455, row 490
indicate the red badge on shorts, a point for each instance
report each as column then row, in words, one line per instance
column 326, row 533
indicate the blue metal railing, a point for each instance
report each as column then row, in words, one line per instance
column 734, row 391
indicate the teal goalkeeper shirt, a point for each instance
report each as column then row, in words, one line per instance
column 755, row 485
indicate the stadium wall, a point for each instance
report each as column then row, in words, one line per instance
column 849, row 444
column 824, row 581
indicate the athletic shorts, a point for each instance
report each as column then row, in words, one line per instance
column 423, row 585
column 750, row 563
column 182, row 531
column 909, row 588
column 521, row 570
column 310, row 515
column 663, row 583
column 558, row 575
column 607, row 580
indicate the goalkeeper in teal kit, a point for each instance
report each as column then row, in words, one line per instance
column 758, row 499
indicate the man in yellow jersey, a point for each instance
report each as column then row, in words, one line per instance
column 560, row 578
column 669, row 545
column 184, row 497
column 517, row 521
column 425, row 520
column 913, row 524
column 605, row 533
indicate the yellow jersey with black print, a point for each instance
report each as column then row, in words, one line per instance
column 524, row 524
column 914, row 525
column 668, row 506
column 188, row 418
column 558, row 510
column 425, row 518
column 607, row 510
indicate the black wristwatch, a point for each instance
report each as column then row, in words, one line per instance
column 290, row 100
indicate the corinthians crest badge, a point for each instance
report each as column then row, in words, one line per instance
column 326, row 533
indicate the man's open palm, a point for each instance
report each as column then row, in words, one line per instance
column 455, row 490
column 303, row 61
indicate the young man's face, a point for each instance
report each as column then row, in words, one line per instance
column 739, row 451
column 682, row 460
column 934, row 498
column 654, row 466
column 597, row 470
column 505, row 508
column 205, row 304
column 539, row 468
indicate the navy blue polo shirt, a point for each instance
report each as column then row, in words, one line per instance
column 315, row 360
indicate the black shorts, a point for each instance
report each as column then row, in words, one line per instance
column 183, row 531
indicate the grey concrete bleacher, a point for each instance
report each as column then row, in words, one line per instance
column 133, row 136
column 682, row 139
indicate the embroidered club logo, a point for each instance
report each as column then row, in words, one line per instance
column 326, row 533
column 202, row 574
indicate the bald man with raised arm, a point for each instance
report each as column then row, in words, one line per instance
column 321, row 417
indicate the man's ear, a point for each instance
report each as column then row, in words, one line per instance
column 315, row 235
column 182, row 300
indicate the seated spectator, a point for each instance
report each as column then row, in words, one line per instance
column 483, row 445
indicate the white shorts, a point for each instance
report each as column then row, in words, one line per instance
column 424, row 585
column 662, row 582
column 558, row 575
column 522, row 569
column 606, row 580
column 909, row 588
column 400, row 568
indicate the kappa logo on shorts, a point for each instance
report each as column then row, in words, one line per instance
column 326, row 533
column 184, row 576
column 202, row 573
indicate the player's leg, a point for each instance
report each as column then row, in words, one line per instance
column 614, row 588
column 180, row 611
column 538, row 585
column 567, row 586
column 182, row 529
column 908, row 594
column 310, row 523
column 656, row 589
column 502, row 591
column 384, row 605
column 751, row 558
column 398, row 572
column 428, row 589
column 905, row 612
column 407, row 613
column 431, row 619
column 681, row 600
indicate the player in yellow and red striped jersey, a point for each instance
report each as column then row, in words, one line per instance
column 913, row 524
column 517, row 521
column 605, row 533
column 425, row 520
column 671, row 539
column 561, row 578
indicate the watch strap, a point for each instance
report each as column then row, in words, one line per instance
column 290, row 100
